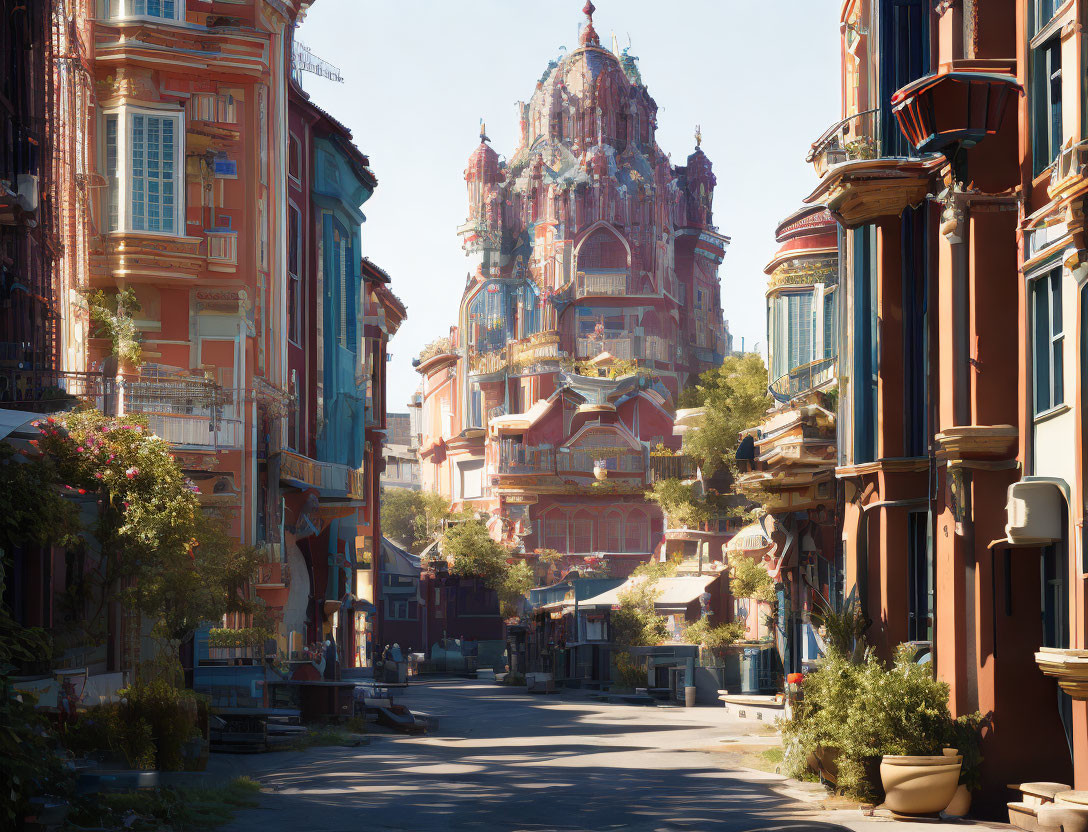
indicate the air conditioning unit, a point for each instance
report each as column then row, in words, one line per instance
column 1034, row 512
column 27, row 188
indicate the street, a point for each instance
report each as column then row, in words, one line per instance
column 504, row 760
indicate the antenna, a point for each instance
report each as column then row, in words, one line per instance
column 304, row 60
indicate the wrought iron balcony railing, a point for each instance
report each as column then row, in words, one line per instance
column 802, row 379
column 855, row 137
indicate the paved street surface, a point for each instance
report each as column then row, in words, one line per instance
column 502, row 760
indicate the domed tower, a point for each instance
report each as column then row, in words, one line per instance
column 700, row 185
column 483, row 230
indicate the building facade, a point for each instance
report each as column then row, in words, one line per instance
column 953, row 176
column 591, row 299
column 187, row 174
column 401, row 452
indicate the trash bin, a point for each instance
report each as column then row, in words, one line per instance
column 689, row 696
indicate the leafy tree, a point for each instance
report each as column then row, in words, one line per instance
column 636, row 622
column 472, row 553
column 414, row 519
column 750, row 579
column 735, row 398
column 113, row 314
column 680, row 501
column 32, row 510
column 713, row 637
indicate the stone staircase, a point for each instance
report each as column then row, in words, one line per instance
column 1049, row 807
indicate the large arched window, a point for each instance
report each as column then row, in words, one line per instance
column 636, row 532
column 602, row 249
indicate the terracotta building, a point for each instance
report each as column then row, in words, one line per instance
column 592, row 297
column 954, row 177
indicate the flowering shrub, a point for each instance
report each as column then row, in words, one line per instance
column 170, row 560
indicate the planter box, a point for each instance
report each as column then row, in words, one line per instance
column 922, row 785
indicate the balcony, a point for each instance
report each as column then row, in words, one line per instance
column 855, row 137
column 51, row 390
column 606, row 283
column 222, row 249
column 199, row 431
column 1068, row 667
column 520, row 459
column 799, row 380
column 671, row 466
column 331, row 479
column 148, row 257
column 487, row 363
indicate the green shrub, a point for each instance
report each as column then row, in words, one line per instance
column 170, row 715
column 513, row 679
column 243, row 637
column 629, row 673
column 868, row 710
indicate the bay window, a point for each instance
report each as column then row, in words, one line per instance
column 143, row 163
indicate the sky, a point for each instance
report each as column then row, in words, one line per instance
column 761, row 78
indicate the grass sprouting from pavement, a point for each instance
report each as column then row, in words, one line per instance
column 180, row 809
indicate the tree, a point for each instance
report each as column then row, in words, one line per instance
column 636, row 622
column 715, row 638
column 471, row 553
column 160, row 554
column 750, row 579
column 414, row 519
column 680, row 501
column 735, row 398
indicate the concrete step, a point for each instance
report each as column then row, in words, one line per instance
column 1023, row 816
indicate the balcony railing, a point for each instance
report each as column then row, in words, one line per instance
column 180, row 429
column 329, row 477
column 607, row 283
column 49, row 390
column 673, row 466
column 222, row 246
column 802, row 379
column 855, row 137
column 527, row 460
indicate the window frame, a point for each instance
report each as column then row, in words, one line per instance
column 1054, row 341
column 1046, row 114
column 121, row 198
column 124, row 11
column 294, row 282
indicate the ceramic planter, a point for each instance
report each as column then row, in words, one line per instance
column 960, row 805
column 919, row 785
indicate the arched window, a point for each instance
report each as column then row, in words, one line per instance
column 636, row 529
column 555, row 531
column 602, row 249
column 613, row 532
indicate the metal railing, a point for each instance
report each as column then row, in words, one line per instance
column 201, row 430
column 802, row 379
column 855, row 137
column 604, row 283
column 51, row 390
column 328, row 476
column 673, row 466
column 521, row 459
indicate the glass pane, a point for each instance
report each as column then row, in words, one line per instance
column 1041, row 322
column 1059, row 383
column 1056, row 302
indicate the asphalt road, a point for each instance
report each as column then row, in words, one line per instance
column 504, row 760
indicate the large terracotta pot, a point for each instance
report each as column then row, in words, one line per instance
column 919, row 785
column 824, row 762
column 961, row 803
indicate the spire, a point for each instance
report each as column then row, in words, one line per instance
column 483, row 132
column 698, row 135
column 589, row 34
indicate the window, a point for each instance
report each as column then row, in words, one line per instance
column 829, row 324
column 866, row 346
column 920, row 578
column 144, row 191
column 1046, row 132
column 583, row 534
column 294, row 243
column 293, row 415
column 793, row 329
column 294, row 159
column 904, row 57
column 1046, row 312
column 613, row 532
column 636, row 528
column 165, row 9
column 915, row 332
column 555, row 532
column 472, row 479
column 401, row 610
column 1042, row 13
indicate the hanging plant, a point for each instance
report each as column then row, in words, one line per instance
column 114, row 317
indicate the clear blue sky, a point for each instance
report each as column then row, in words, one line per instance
column 762, row 78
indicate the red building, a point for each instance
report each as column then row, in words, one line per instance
column 591, row 299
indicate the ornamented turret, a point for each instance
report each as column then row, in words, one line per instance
column 589, row 34
column 701, row 183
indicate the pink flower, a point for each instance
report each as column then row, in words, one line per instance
column 132, row 472
column 51, row 420
column 125, row 504
column 98, row 475
column 79, row 449
column 82, row 490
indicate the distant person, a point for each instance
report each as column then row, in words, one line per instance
column 330, row 660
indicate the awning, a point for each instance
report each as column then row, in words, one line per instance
column 18, row 422
column 752, row 538
column 676, row 592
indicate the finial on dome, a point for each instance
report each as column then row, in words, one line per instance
column 589, row 34
column 698, row 135
column 483, row 132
